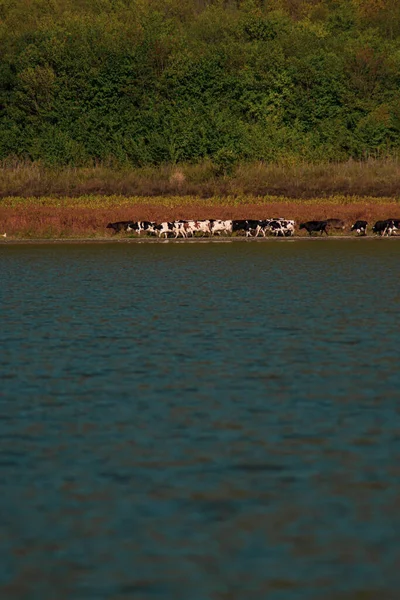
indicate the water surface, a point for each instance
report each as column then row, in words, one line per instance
column 211, row 421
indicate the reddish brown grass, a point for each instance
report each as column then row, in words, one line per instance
column 75, row 221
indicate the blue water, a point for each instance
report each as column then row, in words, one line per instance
column 200, row 421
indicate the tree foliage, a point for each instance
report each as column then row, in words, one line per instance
column 152, row 81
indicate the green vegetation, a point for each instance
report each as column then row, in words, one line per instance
column 178, row 202
column 148, row 82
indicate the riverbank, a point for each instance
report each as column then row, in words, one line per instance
column 86, row 217
column 205, row 240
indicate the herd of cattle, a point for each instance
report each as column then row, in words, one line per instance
column 249, row 227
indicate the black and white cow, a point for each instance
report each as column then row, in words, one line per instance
column 139, row 226
column 287, row 227
column 173, row 228
column 250, row 227
column 204, row 226
column 275, row 227
column 120, row 226
column 218, row 226
column 254, row 227
column 181, row 228
column 261, row 226
column 386, row 227
column 395, row 222
column 360, row 227
column 193, row 227
column 278, row 227
column 165, row 229
column 316, row 226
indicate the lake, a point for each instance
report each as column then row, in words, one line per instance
column 200, row 421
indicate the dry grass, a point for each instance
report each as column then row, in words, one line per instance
column 373, row 177
column 87, row 216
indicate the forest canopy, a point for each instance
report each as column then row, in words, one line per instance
column 146, row 82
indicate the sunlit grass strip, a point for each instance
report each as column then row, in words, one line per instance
column 117, row 201
column 292, row 179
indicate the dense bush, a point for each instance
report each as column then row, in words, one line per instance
column 146, row 82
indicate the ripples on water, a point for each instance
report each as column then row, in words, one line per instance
column 200, row 421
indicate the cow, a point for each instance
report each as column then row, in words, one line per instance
column 192, row 227
column 175, row 228
column 239, row 225
column 254, row 227
column 278, row 227
column 383, row 228
column 204, row 226
column 120, row 226
column 218, row 226
column 139, row 226
column 287, row 227
column 316, row 226
column 335, row 223
column 396, row 222
column 360, row 227
column 165, row 228
column 249, row 226
column 180, row 228
column 189, row 227
column 259, row 226
column 275, row 227
column 262, row 227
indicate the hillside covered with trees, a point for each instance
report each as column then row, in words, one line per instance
column 146, row 82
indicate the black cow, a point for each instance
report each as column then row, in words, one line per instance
column 120, row 226
column 316, row 226
column 239, row 225
column 360, row 227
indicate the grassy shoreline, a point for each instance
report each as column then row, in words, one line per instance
column 86, row 217
column 38, row 202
